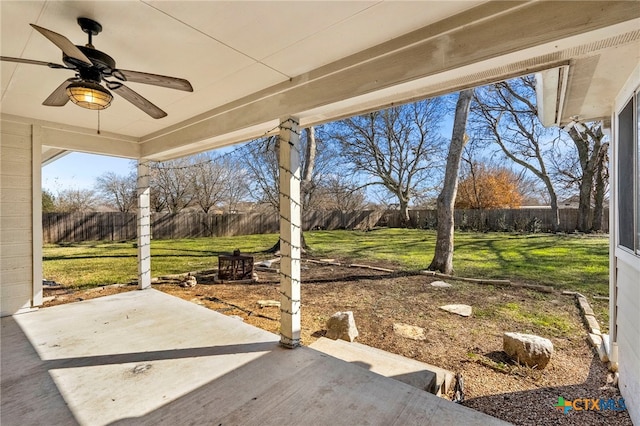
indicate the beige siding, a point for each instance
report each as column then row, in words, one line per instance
column 16, row 224
column 628, row 302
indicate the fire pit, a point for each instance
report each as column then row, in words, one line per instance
column 236, row 267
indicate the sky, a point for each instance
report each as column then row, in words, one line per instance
column 79, row 171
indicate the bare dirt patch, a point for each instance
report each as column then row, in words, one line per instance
column 471, row 346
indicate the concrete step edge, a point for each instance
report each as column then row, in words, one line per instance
column 444, row 378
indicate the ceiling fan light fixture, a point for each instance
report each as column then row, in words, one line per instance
column 89, row 95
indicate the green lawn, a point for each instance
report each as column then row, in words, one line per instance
column 569, row 262
column 565, row 262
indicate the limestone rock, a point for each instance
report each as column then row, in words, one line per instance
column 190, row 281
column 462, row 310
column 595, row 340
column 265, row 303
column 409, row 331
column 267, row 263
column 440, row 284
column 592, row 323
column 528, row 349
column 342, row 325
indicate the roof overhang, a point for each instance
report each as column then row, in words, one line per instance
column 347, row 64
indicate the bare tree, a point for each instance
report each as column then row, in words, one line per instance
column 264, row 172
column 443, row 255
column 339, row 192
column 398, row 148
column 262, row 167
column 75, row 200
column 589, row 142
column 307, row 183
column 209, row 178
column 172, row 184
column 507, row 114
column 157, row 201
column 601, row 186
column 316, row 158
column 237, row 184
column 118, row 191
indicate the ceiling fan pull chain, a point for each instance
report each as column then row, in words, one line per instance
column 98, row 121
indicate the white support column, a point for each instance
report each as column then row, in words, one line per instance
column 290, row 231
column 36, row 227
column 144, row 226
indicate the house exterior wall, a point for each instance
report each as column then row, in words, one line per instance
column 625, row 262
column 628, row 324
column 20, row 245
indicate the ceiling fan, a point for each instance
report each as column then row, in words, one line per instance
column 92, row 67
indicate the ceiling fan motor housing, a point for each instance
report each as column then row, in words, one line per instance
column 102, row 62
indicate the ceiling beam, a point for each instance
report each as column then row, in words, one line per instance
column 62, row 137
column 89, row 143
column 49, row 155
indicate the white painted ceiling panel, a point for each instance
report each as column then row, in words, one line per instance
column 372, row 26
column 258, row 28
column 240, row 84
column 229, row 50
column 15, row 35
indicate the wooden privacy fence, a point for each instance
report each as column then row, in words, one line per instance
column 521, row 220
column 116, row 226
column 91, row 226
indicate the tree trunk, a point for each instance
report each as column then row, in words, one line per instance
column 601, row 177
column 276, row 247
column 588, row 141
column 306, row 182
column 311, row 150
column 553, row 200
column 404, row 213
column 584, row 203
column 443, row 256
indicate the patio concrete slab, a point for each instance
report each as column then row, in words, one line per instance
column 145, row 357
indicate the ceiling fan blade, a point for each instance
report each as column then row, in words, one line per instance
column 59, row 96
column 155, row 79
column 138, row 100
column 63, row 43
column 31, row 61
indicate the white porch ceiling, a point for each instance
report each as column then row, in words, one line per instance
column 251, row 63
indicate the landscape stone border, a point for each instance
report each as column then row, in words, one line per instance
column 597, row 340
